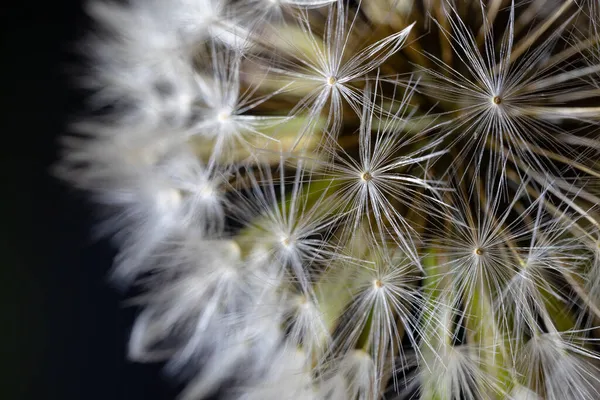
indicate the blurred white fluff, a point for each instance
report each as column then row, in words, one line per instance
column 559, row 365
column 205, row 305
column 289, row 370
column 155, row 204
column 353, row 378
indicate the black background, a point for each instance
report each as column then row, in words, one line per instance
column 63, row 328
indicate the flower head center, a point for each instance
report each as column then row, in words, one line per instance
column 286, row 241
column 223, row 115
column 303, row 303
column 377, row 284
column 497, row 100
column 478, row 251
column 332, row 80
column 366, row 176
column 206, row 191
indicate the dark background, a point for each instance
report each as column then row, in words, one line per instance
column 63, row 328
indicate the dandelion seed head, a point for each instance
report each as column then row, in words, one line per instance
column 334, row 199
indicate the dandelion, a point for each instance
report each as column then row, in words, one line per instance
column 335, row 199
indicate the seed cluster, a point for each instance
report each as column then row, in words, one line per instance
column 335, row 199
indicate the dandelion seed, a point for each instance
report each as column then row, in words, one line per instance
column 367, row 185
column 504, row 110
column 329, row 71
column 222, row 111
column 295, row 229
